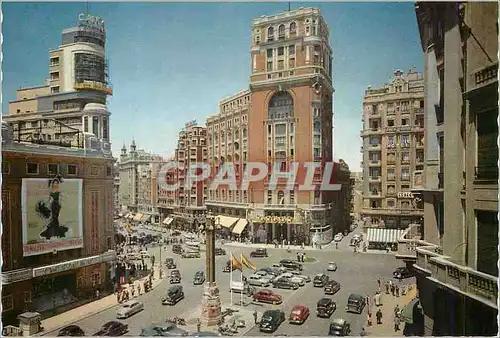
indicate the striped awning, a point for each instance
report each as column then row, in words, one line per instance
column 240, row 226
column 383, row 235
column 226, row 221
column 168, row 220
column 137, row 217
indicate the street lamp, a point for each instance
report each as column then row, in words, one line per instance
column 210, row 303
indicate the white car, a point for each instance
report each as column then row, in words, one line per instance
column 332, row 266
column 338, row 237
column 129, row 308
column 264, row 275
column 292, row 278
column 306, row 279
column 257, row 280
column 144, row 254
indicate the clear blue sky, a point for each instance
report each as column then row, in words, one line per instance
column 172, row 62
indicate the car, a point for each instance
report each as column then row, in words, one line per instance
column 220, row 252
column 291, row 265
column 354, row 242
column 402, row 273
column 205, row 334
column 325, row 307
column 299, row 314
column 339, row 327
column 112, row 329
column 271, row 320
column 177, row 249
column 166, row 329
column 129, row 309
column 338, row 237
column 199, row 278
column 170, row 264
column 265, row 275
column 144, row 254
column 355, row 303
column 174, row 295
column 332, row 266
column 293, row 278
column 175, row 277
column 285, row 283
column 257, row 280
column 259, row 253
column 71, row 331
column 332, row 287
column 243, row 288
column 267, row 296
column 320, row 280
column 306, row 279
column 191, row 255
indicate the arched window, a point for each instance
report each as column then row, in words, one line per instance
column 280, row 106
column 293, row 29
column 281, row 197
column 270, row 34
column 281, row 32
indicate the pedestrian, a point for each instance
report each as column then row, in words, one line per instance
column 97, row 294
column 362, row 333
column 369, row 319
column 255, row 317
column 387, row 287
column 393, row 289
column 397, row 290
column 397, row 322
column 133, row 291
column 378, row 282
column 396, row 310
column 336, row 245
column 298, row 256
column 377, row 299
column 379, row 317
column 198, row 325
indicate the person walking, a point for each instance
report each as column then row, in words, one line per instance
column 198, row 325
column 397, row 290
column 379, row 317
column 255, row 317
column 397, row 322
column 396, row 310
column 387, row 287
column 369, row 318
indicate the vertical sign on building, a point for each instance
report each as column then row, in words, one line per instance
column 6, row 229
column 110, row 212
column 94, row 223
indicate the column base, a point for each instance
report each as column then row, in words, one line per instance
column 211, row 313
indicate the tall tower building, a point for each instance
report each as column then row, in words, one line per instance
column 74, row 98
column 393, row 151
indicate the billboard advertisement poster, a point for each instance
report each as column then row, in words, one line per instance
column 52, row 214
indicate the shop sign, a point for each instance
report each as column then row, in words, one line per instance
column 16, row 276
column 405, row 195
column 91, row 21
column 72, row 265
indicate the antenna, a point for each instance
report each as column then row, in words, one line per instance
column 289, row 6
column 88, row 11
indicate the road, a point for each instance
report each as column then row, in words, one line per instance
column 357, row 273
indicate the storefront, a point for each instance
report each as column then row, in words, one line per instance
column 321, row 234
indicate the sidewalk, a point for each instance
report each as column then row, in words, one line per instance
column 272, row 246
column 389, row 302
column 59, row 321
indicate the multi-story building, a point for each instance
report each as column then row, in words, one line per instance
column 57, row 217
column 356, row 195
column 116, row 181
column 186, row 204
column 455, row 253
column 138, row 184
column 74, row 97
column 393, row 149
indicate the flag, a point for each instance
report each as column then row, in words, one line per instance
column 235, row 263
column 247, row 263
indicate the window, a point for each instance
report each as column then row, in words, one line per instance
column 404, row 122
column 269, row 197
column 405, row 187
column 32, row 168
column 94, row 170
column 270, row 34
column 405, row 140
column 487, row 148
column 487, row 242
column 291, row 63
column 291, row 50
column 53, row 169
column 390, row 123
column 391, row 203
column 105, row 135
column 54, row 61
column 72, row 170
column 292, row 73
column 391, row 174
column 269, row 53
column 54, row 90
column 269, row 66
column 281, row 64
column 5, row 167
column 293, row 29
column 7, row 303
column 281, row 51
column 281, row 32
column 405, row 174
column 86, row 124
column 280, row 106
column 108, row 171
column 95, row 126
column 54, row 76
column 405, row 157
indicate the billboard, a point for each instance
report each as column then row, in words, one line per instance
column 52, row 214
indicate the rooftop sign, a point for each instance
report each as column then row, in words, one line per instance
column 91, row 21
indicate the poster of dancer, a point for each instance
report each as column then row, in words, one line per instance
column 52, row 214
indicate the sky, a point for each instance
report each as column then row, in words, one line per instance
column 173, row 62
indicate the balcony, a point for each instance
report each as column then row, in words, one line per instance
column 405, row 129
column 374, row 178
column 419, row 111
column 374, row 163
column 407, row 244
column 393, row 211
column 374, row 146
column 486, row 173
column 419, row 145
column 375, row 194
column 486, row 75
column 391, row 129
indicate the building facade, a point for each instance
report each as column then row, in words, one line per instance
column 356, row 195
column 57, row 217
column 184, row 206
column 455, row 253
column 393, row 149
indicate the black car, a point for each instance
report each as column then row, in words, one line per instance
column 170, row 264
column 177, row 249
column 402, row 273
column 259, row 253
column 271, row 320
column 355, row 303
column 332, row 287
column 325, row 307
column 174, row 295
column 175, row 277
column 220, row 252
column 284, row 283
column 291, row 265
column 71, row 331
column 320, row 280
column 112, row 329
column 199, row 278
column 339, row 327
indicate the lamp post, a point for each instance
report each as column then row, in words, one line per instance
column 210, row 304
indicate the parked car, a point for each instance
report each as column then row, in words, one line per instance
column 332, row 287
column 306, row 279
column 338, row 237
column 128, row 309
column 205, row 334
column 293, row 278
column 174, row 295
column 257, row 280
column 402, row 273
column 355, row 303
column 339, row 327
column 285, row 283
column 291, row 265
column 355, row 240
column 112, row 329
column 259, row 253
column 175, row 277
column 299, row 314
column 267, row 296
column 220, row 252
column 199, row 278
column 320, row 280
column 71, row 331
column 271, row 320
column 169, row 262
column 163, row 330
column 265, row 275
column 191, row 255
column 243, row 288
column 325, row 307
column 332, row 266
column 177, row 249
